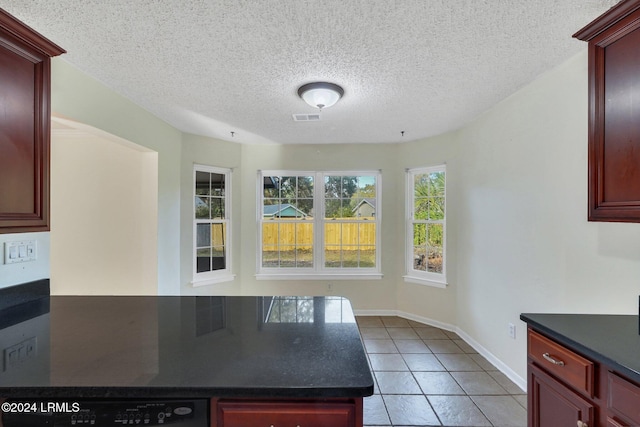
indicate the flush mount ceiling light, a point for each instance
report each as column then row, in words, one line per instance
column 320, row 94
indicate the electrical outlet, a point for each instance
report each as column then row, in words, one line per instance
column 512, row 330
column 16, row 354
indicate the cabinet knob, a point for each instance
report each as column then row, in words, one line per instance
column 582, row 424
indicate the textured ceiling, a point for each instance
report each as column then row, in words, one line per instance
column 213, row 67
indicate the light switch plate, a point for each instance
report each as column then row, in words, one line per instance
column 20, row 251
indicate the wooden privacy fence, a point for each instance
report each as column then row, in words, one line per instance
column 345, row 236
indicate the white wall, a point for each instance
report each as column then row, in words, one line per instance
column 523, row 240
column 104, row 210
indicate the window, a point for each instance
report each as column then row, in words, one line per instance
column 319, row 224
column 211, row 225
column 426, row 226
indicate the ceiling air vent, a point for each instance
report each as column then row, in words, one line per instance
column 306, row 117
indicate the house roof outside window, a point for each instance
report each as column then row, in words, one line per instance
column 282, row 211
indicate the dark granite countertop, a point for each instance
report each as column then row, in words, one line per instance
column 170, row 347
column 610, row 339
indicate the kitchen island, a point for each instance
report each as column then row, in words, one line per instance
column 264, row 358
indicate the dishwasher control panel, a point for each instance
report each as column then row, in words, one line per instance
column 113, row 413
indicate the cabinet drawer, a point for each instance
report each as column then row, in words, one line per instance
column 624, row 400
column 289, row 414
column 561, row 362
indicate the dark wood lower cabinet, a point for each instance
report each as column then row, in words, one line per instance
column 565, row 388
column 554, row 405
column 286, row 413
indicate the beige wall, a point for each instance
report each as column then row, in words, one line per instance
column 104, row 209
column 523, row 240
column 76, row 96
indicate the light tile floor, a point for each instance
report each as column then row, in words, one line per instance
column 427, row 376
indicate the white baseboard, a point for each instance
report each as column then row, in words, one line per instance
column 501, row 366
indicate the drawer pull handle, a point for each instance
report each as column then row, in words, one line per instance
column 548, row 358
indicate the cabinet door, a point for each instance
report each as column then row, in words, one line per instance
column 25, row 75
column 614, row 113
column 551, row 404
column 286, row 414
column 623, row 400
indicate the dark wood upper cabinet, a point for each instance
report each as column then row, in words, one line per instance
column 614, row 113
column 25, row 120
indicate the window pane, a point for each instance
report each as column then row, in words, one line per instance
column 365, row 208
column 217, row 208
column 269, row 234
column 434, row 264
column 270, row 256
column 367, row 256
column 332, row 256
column 203, row 260
column 420, row 258
column 421, row 185
column 304, row 257
column 305, row 187
column 434, row 235
column 350, row 257
column 367, row 234
column 305, row 208
column 203, row 235
column 436, row 208
column 332, row 187
column 286, row 234
column 349, row 186
column 270, row 187
column 217, row 184
column 202, row 183
column 287, row 256
column 218, row 234
column 202, row 207
column 218, row 258
column 350, row 235
column 288, row 188
column 421, row 208
column 333, row 208
column 332, row 233
column 304, row 235
column 419, row 234
column 436, row 180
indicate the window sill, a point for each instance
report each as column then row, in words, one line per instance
column 213, row 280
column 319, row 276
column 426, row 282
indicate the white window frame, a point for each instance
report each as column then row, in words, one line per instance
column 319, row 271
column 438, row 280
column 215, row 276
